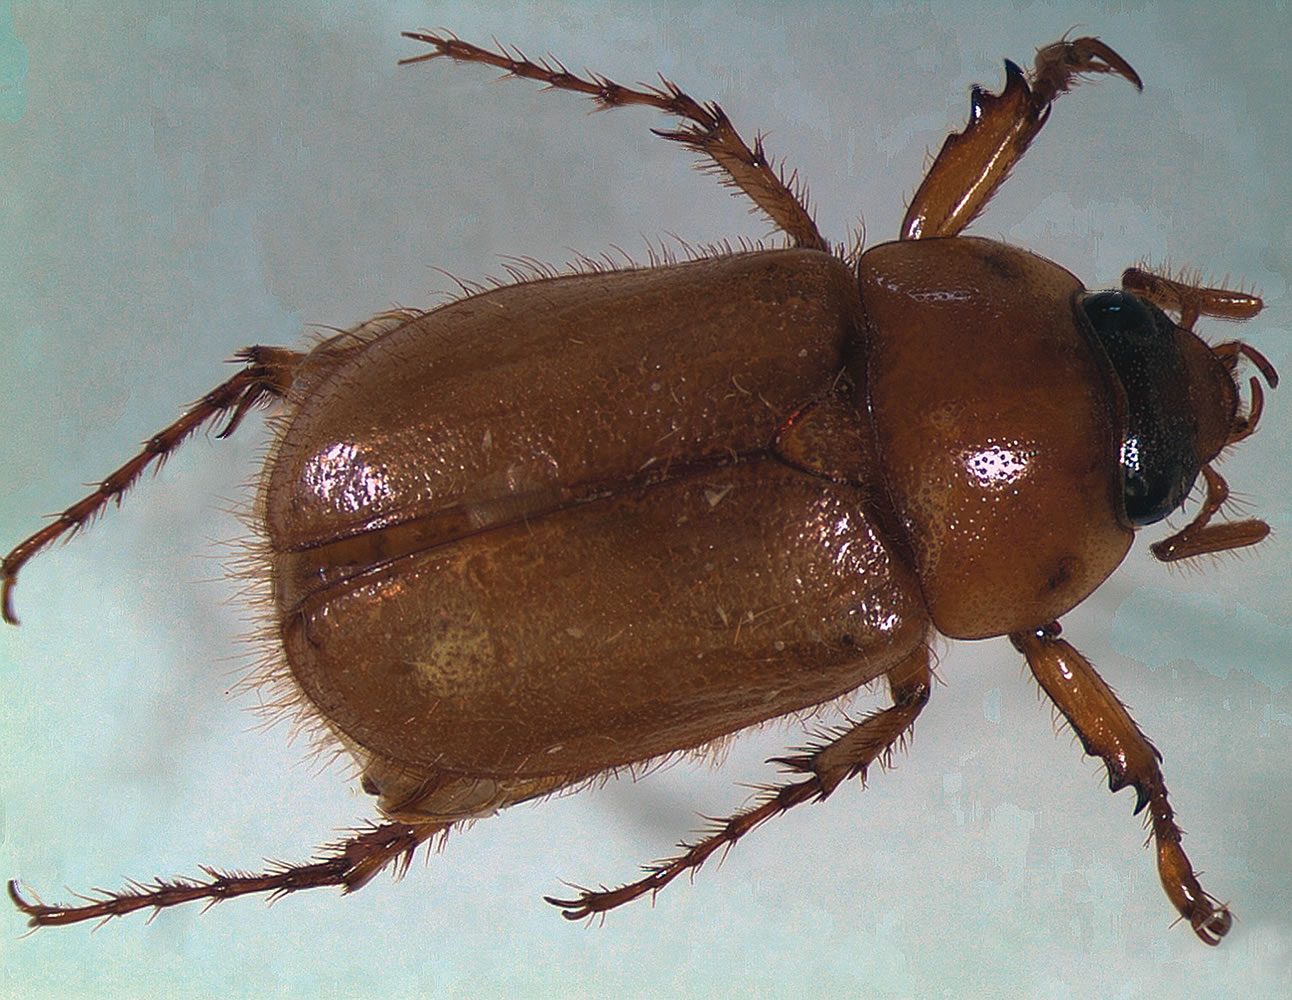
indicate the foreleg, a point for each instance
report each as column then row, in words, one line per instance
column 1108, row 732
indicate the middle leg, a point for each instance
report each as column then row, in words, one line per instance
column 848, row 755
column 707, row 129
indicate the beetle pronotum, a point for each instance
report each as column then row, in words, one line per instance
column 907, row 535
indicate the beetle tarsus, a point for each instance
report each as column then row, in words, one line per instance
column 1210, row 919
column 1059, row 65
column 708, row 130
column 350, row 864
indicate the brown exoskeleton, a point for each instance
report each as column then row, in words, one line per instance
column 544, row 503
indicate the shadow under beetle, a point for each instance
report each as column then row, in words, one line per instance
column 580, row 522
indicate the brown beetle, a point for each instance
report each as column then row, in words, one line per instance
column 742, row 431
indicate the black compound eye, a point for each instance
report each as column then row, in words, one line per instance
column 1158, row 457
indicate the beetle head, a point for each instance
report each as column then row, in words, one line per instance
column 1182, row 401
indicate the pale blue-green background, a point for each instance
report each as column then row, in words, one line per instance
column 177, row 181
